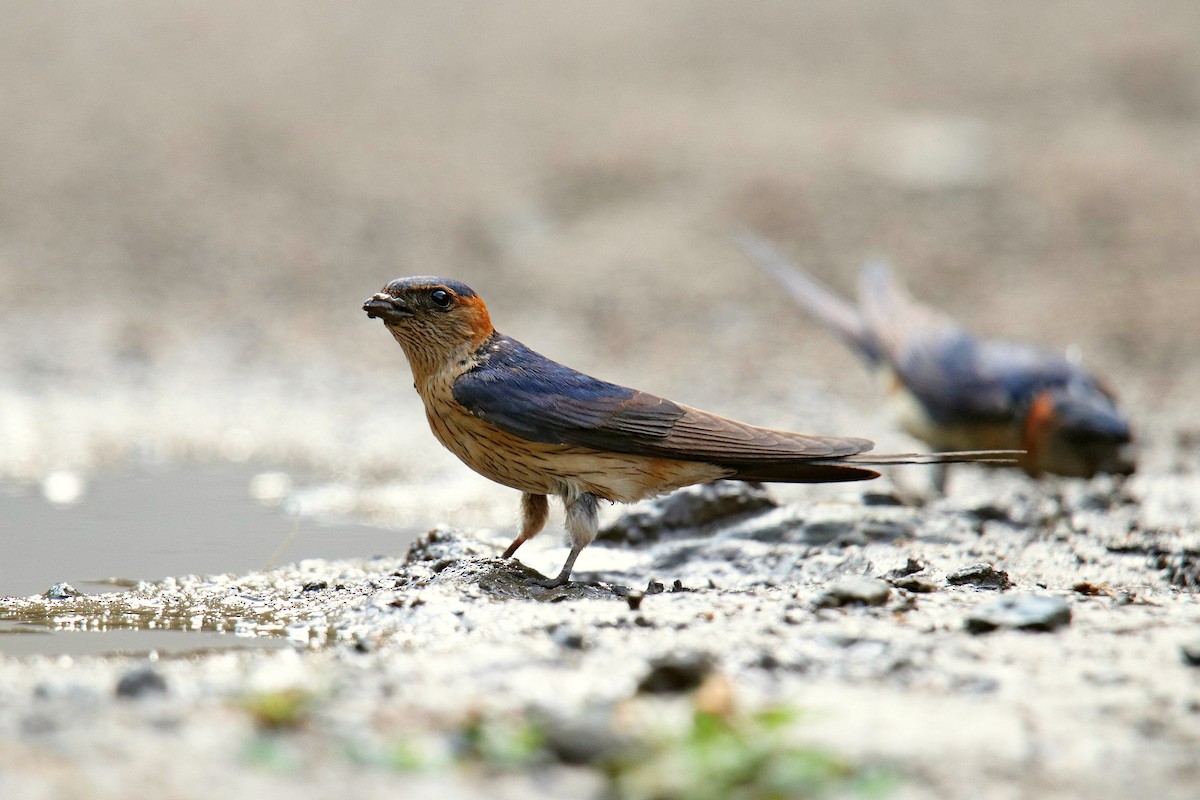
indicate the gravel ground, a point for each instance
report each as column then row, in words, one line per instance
column 865, row 618
column 198, row 198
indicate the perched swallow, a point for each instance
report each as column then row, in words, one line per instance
column 954, row 390
column 526, row 422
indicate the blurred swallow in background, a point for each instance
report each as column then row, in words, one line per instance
column 526, row 422
column 955, row 391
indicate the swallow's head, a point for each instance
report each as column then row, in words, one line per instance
column 1077, row 430
column 434, row 319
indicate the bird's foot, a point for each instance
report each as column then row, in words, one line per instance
column 549, row 583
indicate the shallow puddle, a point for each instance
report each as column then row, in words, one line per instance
column 146, row 526
column 152, row 524
column 25, row 639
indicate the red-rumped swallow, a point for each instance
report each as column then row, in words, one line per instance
column 953, row 390
column 529, row 423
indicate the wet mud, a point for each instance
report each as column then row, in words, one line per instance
column 1062, row 635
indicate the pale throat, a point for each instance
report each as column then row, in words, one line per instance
column 431, row 359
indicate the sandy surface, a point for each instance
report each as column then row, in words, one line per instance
column 392, row 656
column 196, row 200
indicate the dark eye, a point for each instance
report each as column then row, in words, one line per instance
column 441, row 298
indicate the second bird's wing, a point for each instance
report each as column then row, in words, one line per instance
column 530, row 396
column 952, row 373
column 956, row 376
column 934, row 358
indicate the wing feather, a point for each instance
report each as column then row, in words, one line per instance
column 528, row 395
column 956, row 376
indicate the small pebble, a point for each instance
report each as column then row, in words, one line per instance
column 569, row 638
column 990, row 512
column 1027, row 612
column 981, row 576
column 61, row 591
column 915, row 584
column 768, row 661
column 634, row 599
column 140, row 683
column 1190, row 652
column 584, row 739
column 911, row 566
column 677, row 672
column 888, row 498
column 855, row 591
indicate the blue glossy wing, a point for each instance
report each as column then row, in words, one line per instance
column 957, row 377
column 530, row 396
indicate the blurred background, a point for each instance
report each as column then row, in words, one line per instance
column 195, row 199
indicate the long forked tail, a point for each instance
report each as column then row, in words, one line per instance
column 952, row 457
column 855, row 467
column 841, row 316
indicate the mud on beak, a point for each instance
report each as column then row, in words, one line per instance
column 387, row 308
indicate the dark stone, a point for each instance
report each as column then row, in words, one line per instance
column 688, row 509
column 141, row 682
column 568, row 637
column 634, row 599
column 1180, row 569
column 1028, row 612
column 990, row 512
column 768, row 661
column 770, row 529
column 677, row 672
column 1190, row 652
column 877, row 498
column 855, row 591
column 981, row 576
column 911, row 566
column 915, row 584
column 830, row 530
column 654, row 587
column 507, row 579
column 886, row 530
column 315, row 586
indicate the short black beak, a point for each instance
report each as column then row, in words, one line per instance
column 386, row 308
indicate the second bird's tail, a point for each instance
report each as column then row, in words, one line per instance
column 839, row 315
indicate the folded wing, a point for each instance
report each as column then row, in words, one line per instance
column 530, row 396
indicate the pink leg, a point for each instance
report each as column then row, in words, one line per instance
column 582, row 526
column 534, row 511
